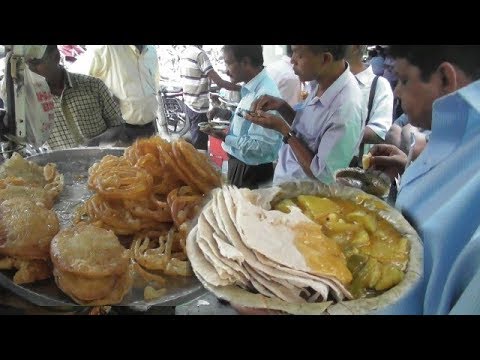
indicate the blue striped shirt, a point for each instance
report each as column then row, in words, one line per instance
column 440, row 194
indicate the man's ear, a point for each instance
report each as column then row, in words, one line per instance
column 327, row 58
column 448, row 76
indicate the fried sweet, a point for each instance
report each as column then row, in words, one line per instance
column 11, row 188
column 46, row 177
column 89, row 251
column 26, row 229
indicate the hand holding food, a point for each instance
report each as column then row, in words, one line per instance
column 388, row 159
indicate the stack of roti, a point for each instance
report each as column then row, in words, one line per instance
column 245, row 252
column 240, row 241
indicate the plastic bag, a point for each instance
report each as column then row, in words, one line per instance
column 39, row 108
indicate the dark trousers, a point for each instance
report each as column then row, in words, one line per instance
column 248, row 176
column 133, row 132
column 199, row 139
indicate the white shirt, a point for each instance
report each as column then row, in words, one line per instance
column 382, row 107
column 131, row 76
column 288, row 83
column 330, row 125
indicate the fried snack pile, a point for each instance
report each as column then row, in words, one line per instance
column 90, row 265
column 151, row 192
column 26, row 230
column 27, row 223
column 20, row 178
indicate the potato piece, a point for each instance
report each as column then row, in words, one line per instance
column 361, row 217
column 366, row 161
column 319, row 207
column 370, row 273
column 360, row 239
column 285, row 206
column 391, row 276
column 340, row 227
column 356, row 262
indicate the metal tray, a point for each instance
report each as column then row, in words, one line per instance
column 74, row 164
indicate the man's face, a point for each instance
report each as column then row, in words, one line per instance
column 46, row 65
column 416, row 95
column 306, row 64
column 234, row 68
column 38, row 66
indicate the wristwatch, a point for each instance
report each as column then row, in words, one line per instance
column 288, row 136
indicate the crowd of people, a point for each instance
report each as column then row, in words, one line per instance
column 352, row 106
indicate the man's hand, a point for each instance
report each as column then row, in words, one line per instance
column 266, row 103
column 218, row 112
column 388, row 159
column 218, row 134
column 269, row 121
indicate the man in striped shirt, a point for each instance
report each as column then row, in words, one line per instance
column 196, row 71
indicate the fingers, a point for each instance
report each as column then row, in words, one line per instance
column 383, row 162
column 385, row 150
column 211, row 113
column 391, row 164
column 261, row 103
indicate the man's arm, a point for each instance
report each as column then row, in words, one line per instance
column 371, row 137
column 111, row 113
column 302, row 152
column 394, row 135
column 267, row 102
column 113, row 119
column 213, row 75
column 381, row 114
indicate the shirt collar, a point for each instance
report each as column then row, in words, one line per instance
column 254, row 83
column 364, row 76
column 135, row 50
column 333, row 90
column 470, row 95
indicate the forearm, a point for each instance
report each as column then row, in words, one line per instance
column 287, row 113
column 394, row 136
column 213, row 75
column 371, row 137
column 111, row 135
column 303, row 154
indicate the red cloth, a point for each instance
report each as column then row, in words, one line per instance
column 217, row 154
column 71, row 51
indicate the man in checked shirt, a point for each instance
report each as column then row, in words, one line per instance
column 85, row 112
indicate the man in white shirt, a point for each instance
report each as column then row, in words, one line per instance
column 381, row 112
column 281, row 71
column 131, row 73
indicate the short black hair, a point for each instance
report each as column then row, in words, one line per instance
column 338, row 51
column 429, row 57
column 50, row 49
column 289, row 50
column 253, row 52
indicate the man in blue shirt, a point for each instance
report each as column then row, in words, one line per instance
column 440, row 191
column 251, row 148
column 326, row 130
